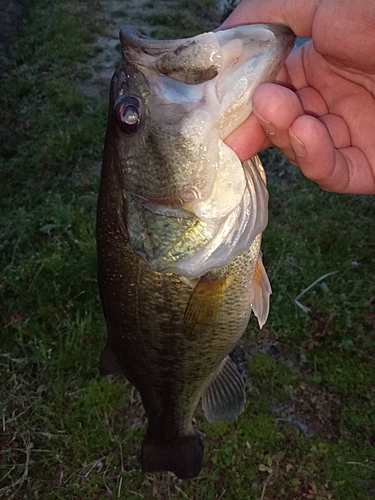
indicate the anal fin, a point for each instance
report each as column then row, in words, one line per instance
column 224, row 397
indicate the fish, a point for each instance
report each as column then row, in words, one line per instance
column 179, row 225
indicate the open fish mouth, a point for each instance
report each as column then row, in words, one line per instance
column 199, row 91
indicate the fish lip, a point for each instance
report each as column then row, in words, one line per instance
column 279, row 30
column 282, row 31
column 282, row 35
column 131, row 37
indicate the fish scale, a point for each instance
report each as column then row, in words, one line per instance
column 178, row 234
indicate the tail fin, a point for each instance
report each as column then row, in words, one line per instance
column 183, row 456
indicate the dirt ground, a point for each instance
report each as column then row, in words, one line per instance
column 117, row 14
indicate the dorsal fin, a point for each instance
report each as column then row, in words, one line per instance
column 224, row 397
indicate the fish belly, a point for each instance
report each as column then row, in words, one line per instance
column 166, row 353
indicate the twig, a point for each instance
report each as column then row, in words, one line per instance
column 122, row 469
column 361, row 464
column 119, row 488
column 222, row 495
column 23, row 478
column 121, row 456
column 265, row 484
column 5, row 476
column 182, row 492
column 15, row 417
column 136, row 493
column 296, row 300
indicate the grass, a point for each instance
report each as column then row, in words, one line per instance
column 308, row 429
column 190, row 18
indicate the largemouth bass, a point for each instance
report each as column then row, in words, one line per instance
column 179, row 228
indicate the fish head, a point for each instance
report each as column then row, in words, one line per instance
column 172, row 104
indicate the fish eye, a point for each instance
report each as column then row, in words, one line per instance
column 128, row 114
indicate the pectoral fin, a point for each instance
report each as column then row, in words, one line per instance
column 224, row 397
column 261, row 290
column 204, row 305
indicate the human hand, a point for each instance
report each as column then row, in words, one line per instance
column 326, row 126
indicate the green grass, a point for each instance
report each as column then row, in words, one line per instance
column 190, row 18
column 308, row 429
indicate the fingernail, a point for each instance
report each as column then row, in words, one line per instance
column 298, row 146
column 269, row 127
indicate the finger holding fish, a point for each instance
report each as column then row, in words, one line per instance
column 274, row 110
column 324, row 147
